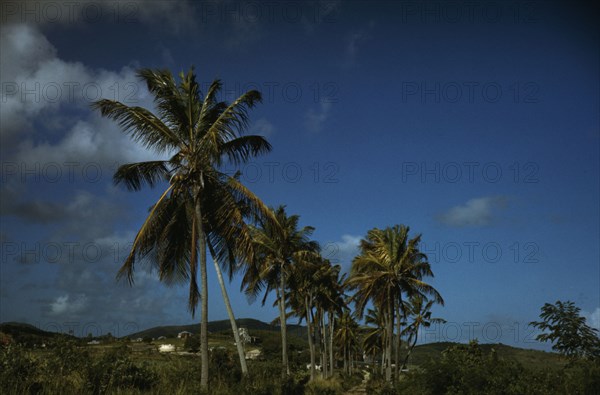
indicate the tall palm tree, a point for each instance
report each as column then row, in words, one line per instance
column 329, row 299
column 419, row 310
column 202, row 207
column 333, row 301
column 306, row 280
column 346, row 336
column 374, row 334
column 388, row 266
column 277, row 245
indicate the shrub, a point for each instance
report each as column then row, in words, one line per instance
column 115, row 370
column 323, row 387
column 192, row 343
column 465, row 369
column 18, row 370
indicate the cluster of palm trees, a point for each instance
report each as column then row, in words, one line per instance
column 204, row 209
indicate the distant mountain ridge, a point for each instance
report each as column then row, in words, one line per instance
column 20, row 330
column 217, row 326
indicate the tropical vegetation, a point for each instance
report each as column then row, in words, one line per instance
column 362, row 323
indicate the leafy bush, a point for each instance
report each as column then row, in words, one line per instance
column 323, row 387
column 115, row 370
column 465, row 369
column 18, row 370
column 192, row 343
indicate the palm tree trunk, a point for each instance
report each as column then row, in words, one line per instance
column 311, row 345
column 234, row 328
column 331, row 331
column 398, row 340
column 285, row 368
column 413, row 344
column 324, row 364
column 345, row 358
column 390, row 334
column 204, row 300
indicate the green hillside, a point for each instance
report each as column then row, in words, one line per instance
column 528, row 358
column 28, row 334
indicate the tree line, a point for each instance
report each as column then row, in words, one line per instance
column 205, row 209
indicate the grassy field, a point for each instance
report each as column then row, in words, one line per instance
column 70, row 365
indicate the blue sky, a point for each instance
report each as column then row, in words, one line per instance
column 474, row 123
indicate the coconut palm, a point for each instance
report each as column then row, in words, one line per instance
column 374, row 334
column 419, row 310
column 389, row 266
column 346, row 336
column 306, row 281
column 277, row 245
column 202, row 207
column 329, row 300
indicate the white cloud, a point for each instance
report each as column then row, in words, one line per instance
column 315, row 119
column 65, row 305
column 593, row 319
column 37, row 85
column 342, row 252
column 262, row 127
column 354, row 41
column 475, row 212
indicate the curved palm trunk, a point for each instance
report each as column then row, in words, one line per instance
column 203, row 302
column 285, row 367
column 413, row 344
column 234, row 328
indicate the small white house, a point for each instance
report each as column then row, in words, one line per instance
column 184, row 334
column 253, row 354
column 166, row 348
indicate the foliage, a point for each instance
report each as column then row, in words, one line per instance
column 223, row 366
column 115, row 369
column 192, row 343
column 202, row 207
column 390, row 267
column 18, row 370
column 567, row 330
column 466, row 369
column 66, row 368
column 323, row 387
